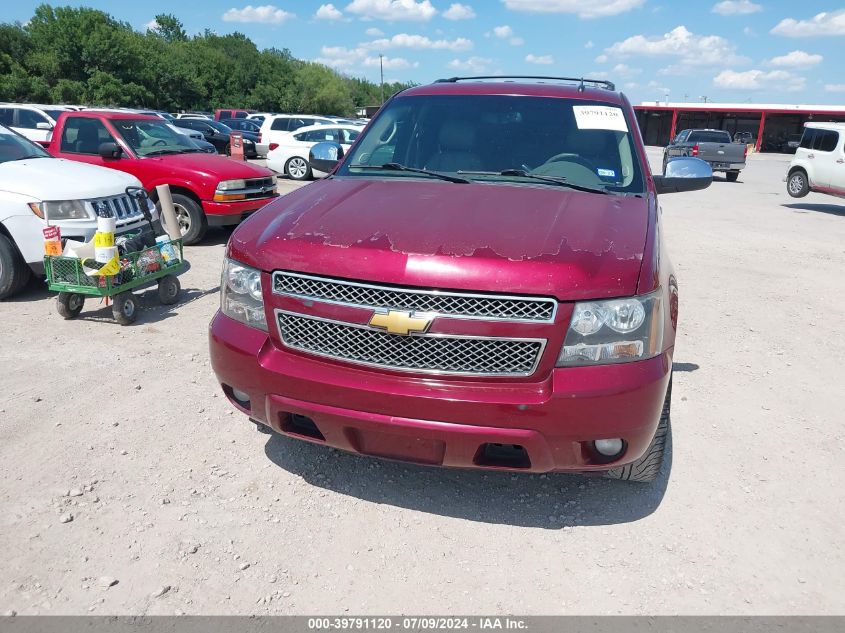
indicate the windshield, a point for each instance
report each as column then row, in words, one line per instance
column 584, row 143
column 53, row 114
column 16, row 147
column 147, row 137
column 223, row 129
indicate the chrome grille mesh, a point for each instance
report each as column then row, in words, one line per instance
column 426, row 354
column 452, row 304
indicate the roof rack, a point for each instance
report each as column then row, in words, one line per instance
column 602, row 83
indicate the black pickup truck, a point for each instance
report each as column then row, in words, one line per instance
column 712, row 146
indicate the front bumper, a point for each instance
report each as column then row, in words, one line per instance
column 443, row 422
column 224, row 213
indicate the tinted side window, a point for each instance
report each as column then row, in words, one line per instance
column 29, row 119
column 826, row 140
column 323, row 135
column 6, row 116
column 280, row 124
column 808, row 138
column 350, row 135
column 84, row 136
column 240, row 115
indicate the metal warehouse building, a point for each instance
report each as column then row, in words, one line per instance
column 771, row 125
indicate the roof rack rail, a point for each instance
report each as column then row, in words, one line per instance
column 608, row 85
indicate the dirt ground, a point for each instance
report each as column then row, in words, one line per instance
column 177, row 504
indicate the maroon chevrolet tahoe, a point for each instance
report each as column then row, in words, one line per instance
column 481, row 282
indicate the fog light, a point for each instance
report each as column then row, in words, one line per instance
column 609, row 448
column 241, row 397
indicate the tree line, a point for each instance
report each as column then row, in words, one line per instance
column 85, row 56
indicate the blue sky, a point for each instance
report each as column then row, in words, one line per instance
column 762, row 51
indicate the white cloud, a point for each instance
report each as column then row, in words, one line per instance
column 472, row 64
column 343, row 58
column 623, row 71
column 266, row 13
column 736, row 7
column 505, row 32
column 679, row 43
column 797, row 59
column 589, row 44
column 151, row 25
column 749, row 32
column 459, row 12
column 591, row 9
column 374, row 32
column 328, row 12
column 832, row 23
column 392, row 10
column 834, row 88
column 780, row 80
column 419, row 42
column 601, row 59
column 543, row 60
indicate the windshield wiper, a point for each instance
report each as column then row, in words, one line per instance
column 555, row 180
column 25, row 157
column 160, row 152
column 414, row 170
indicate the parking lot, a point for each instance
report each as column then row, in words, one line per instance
column 130, row 485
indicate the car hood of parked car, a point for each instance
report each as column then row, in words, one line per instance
column 212, row 166
column 59, row 179
column 535, row 240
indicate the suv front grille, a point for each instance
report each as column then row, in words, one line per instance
column 430, row 353
column 119, row 207
column 444, row 303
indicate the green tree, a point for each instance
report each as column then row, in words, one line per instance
column 169, row 28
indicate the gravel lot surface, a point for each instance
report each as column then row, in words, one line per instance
column 129, row 485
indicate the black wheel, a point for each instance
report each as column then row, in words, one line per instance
column 228, row 150
column 731, row 176
column 69, row 304
column 14, row 273
column 168, row 290
column 297, row 168
column 192, row 221
column 125, row 308
column 797, row 185
column 647, row 467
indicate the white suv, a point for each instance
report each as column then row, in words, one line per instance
column 819, row 163
column 277, row 126
column 35, row 122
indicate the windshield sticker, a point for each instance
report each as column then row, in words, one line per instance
column 600, row 118
column 606, row 173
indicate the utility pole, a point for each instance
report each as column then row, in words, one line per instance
column 381, row 69
column 703, row 98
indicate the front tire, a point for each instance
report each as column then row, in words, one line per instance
column 297, row 168
column 69, row 304
column 192, row 221
column 647, row 467
column 797, row 185
column 14, row 273
column 168, row 290
column 125, row 308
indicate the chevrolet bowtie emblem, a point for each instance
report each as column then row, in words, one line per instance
column 400, row 322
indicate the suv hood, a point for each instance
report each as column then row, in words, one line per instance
column 60, row 179
column 517, row 239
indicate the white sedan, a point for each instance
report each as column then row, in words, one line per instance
column 290, row 156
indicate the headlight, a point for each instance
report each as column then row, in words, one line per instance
column 62, row 210
column 240, row 294
column 229, row 185
column 615, row 331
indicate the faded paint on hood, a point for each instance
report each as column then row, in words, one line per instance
column 522, row 239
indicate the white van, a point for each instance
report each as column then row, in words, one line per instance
column 31, row 183
column 819, row 162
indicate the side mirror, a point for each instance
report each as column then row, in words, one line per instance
column 684, row 173
column 325, row 156
column 43, row 125
column 109, row 150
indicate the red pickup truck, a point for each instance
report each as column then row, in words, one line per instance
column 207, row 189
column 481, row 282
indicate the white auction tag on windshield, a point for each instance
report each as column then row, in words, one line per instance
column 600, row 118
